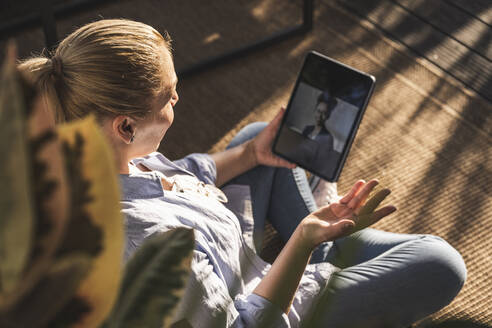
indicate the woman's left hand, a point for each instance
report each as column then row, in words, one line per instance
column 350, row 214
column 262, row 145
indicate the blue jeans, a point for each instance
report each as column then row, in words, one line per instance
column 386, row 279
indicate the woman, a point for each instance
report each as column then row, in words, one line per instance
column 122, row 71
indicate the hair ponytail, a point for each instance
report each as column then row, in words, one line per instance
column 40, row 71
column 108, row 67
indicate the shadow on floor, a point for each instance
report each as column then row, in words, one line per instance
column 457, row 324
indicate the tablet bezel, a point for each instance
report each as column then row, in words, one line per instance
column 369, row 79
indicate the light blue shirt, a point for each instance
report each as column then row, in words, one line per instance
column 225, row 267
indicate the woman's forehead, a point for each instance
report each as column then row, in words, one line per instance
column 168, row 66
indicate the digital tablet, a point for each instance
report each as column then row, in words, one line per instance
column 323, row 115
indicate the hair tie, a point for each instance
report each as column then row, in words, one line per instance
column 56, row 65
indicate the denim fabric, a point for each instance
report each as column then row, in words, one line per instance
column 386, row 279
column 280, row 195
column 389, row 280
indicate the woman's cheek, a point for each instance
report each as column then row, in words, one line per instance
column 171, row 115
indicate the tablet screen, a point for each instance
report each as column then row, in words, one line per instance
column 323, row 115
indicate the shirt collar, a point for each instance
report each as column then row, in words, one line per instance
column 146, row 185
column 156, row 162
column 141, row 185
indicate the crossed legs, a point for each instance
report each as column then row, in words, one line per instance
column 386, row 279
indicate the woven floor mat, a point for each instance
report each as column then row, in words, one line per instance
column 424, row 135
column 426, row 139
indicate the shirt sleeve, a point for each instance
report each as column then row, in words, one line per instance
column 202, row 165
column 206, row 302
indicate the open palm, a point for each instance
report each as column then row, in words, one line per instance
column 351, row 213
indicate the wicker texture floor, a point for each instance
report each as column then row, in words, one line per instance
column 425, row 135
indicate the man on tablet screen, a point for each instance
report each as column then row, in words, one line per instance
column 325, row 155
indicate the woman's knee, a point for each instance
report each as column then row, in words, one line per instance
column 444, row 264
column 247, row 133
column 416, row 279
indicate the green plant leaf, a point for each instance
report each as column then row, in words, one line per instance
column 72, row 312
column 16, row 220
column 50, row 294
column 82, row 234
column 153, row 280
column 95, row 227
column 47, row 190
column 51, row 201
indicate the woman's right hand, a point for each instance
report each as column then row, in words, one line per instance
column 350, row 214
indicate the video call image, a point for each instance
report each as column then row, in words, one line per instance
column 317, row 128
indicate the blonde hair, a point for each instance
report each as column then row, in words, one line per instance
column 108, row 67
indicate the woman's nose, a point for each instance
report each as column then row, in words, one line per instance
column 174, row 99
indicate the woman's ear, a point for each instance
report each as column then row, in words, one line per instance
column 124, row 128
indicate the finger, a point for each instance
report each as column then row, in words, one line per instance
column 274, row 125
column 365, row 196
column 366, row 220
column 345, row 199
column 356, row 201
column 374, row 201
column 280, row 162
column 278, row 117
column 340, row 229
